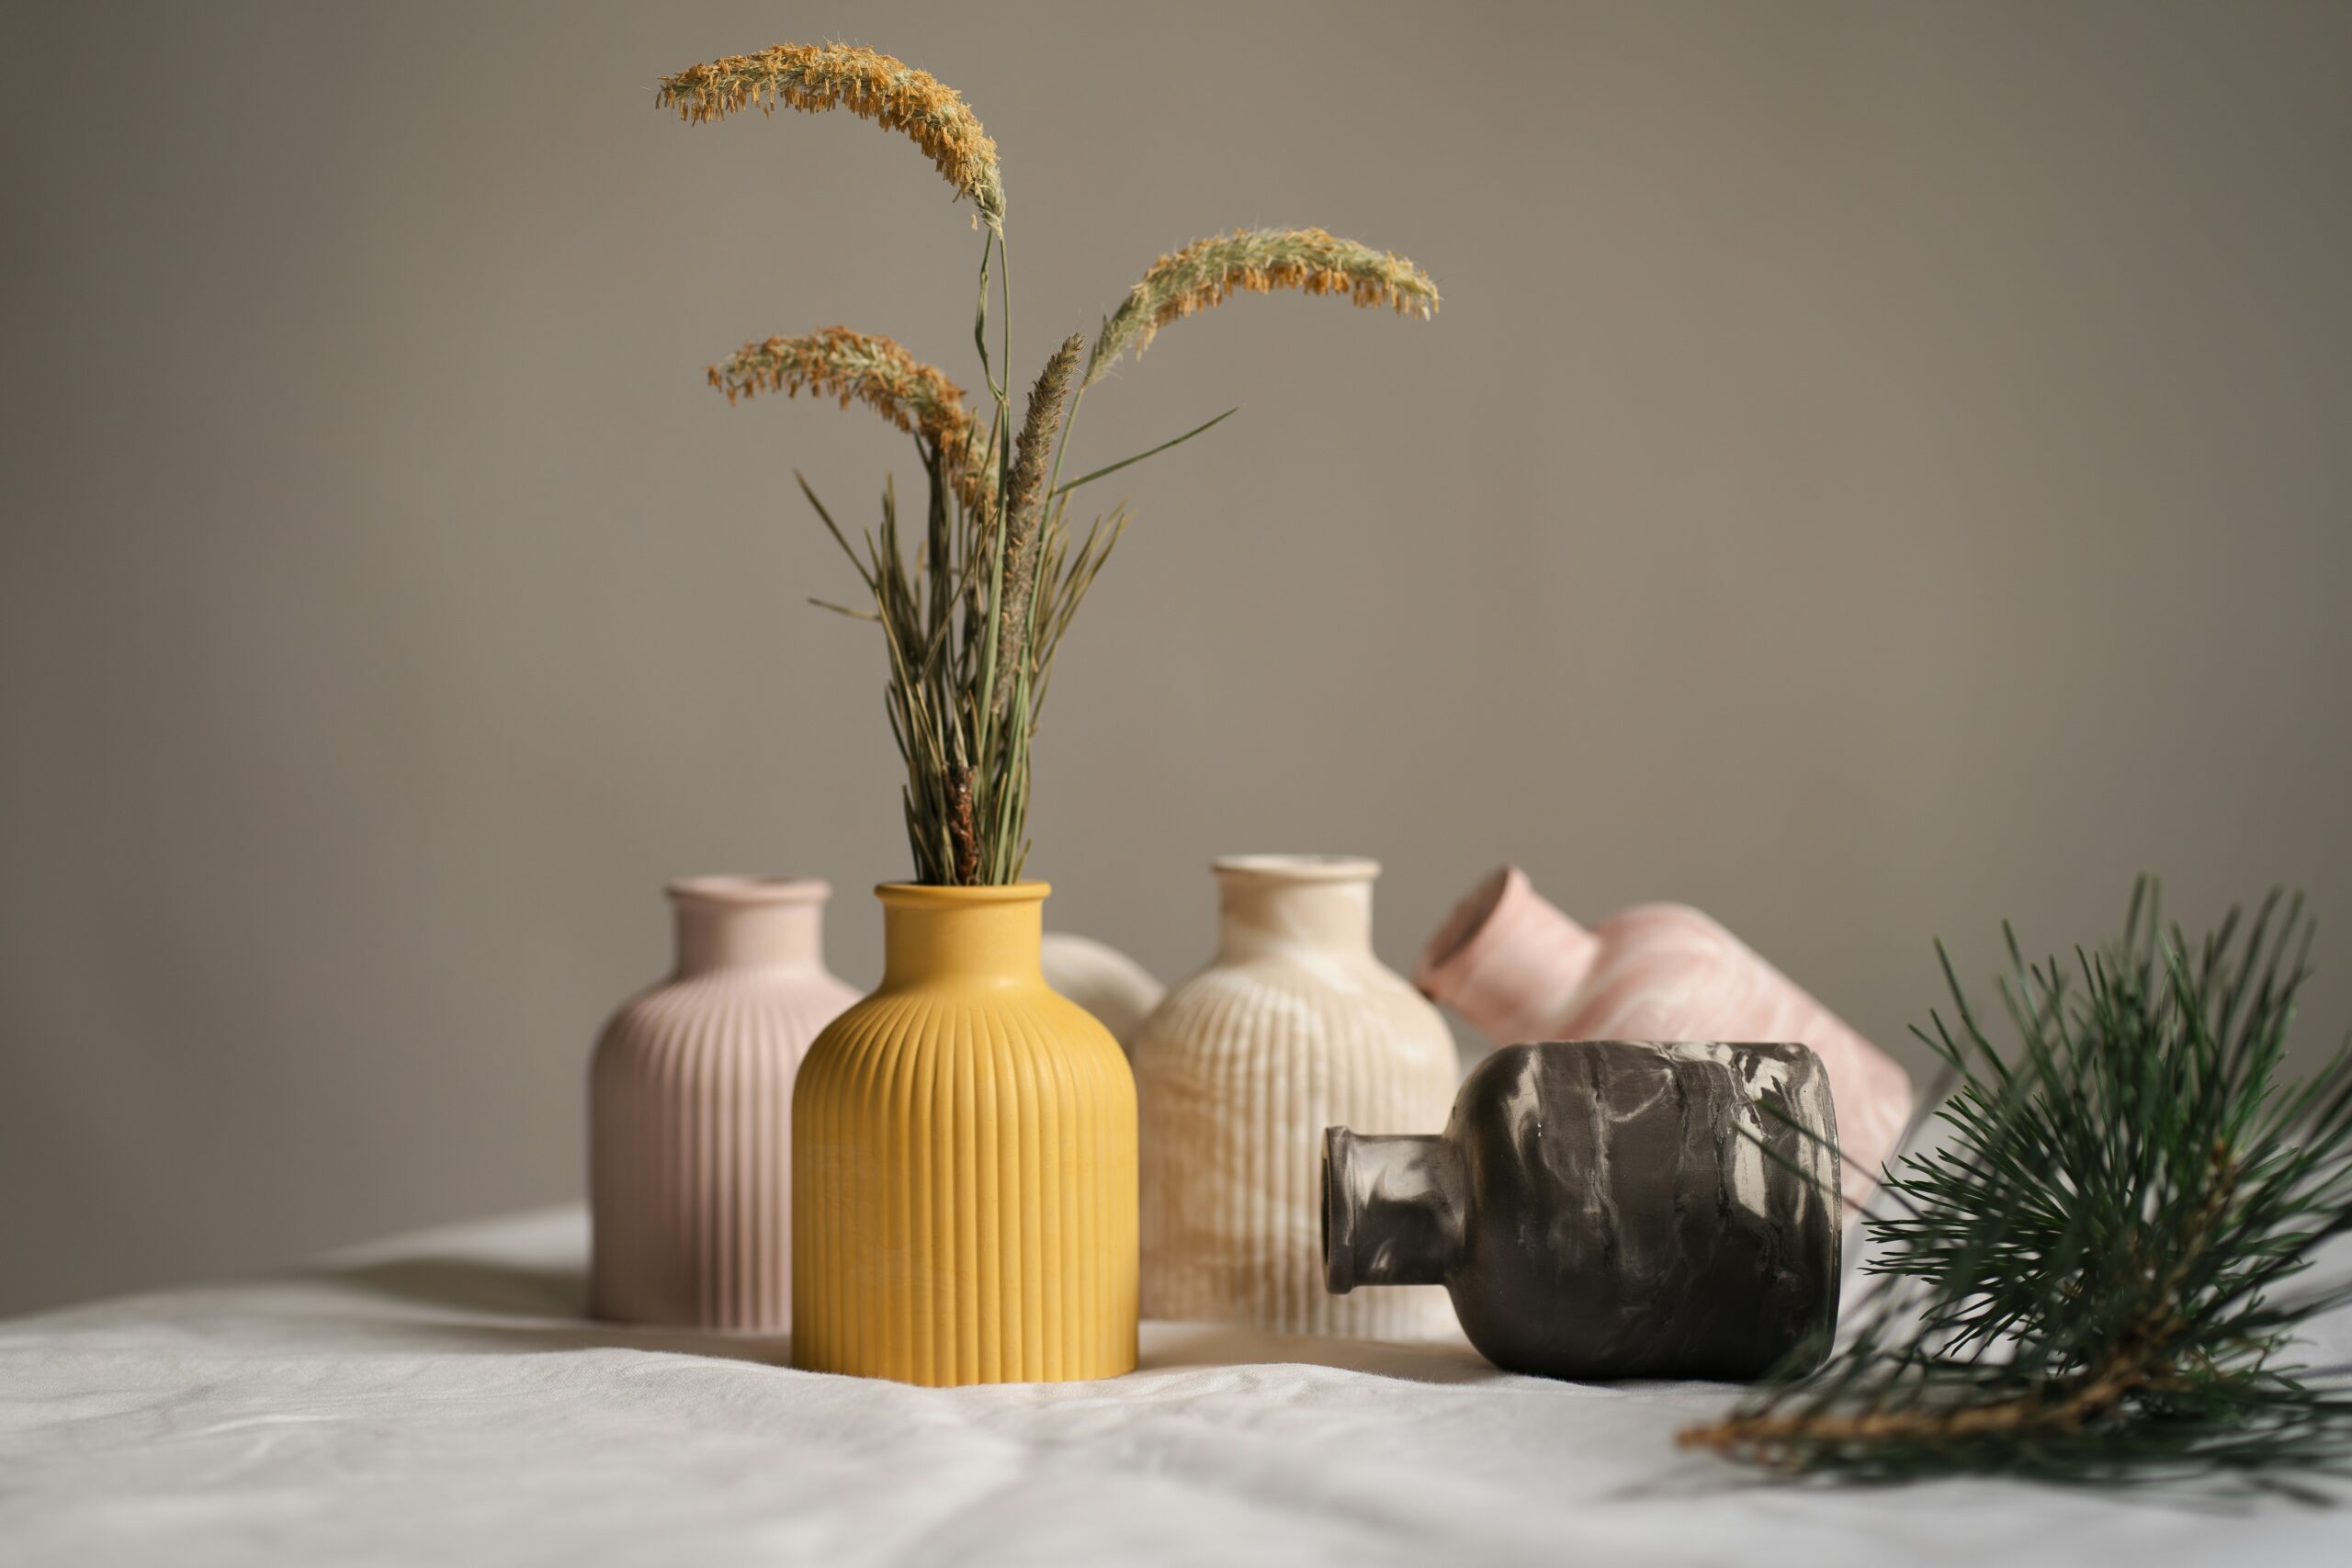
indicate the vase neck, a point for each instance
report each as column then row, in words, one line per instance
column 1276, row 903
column 973, row 935
column 748, row 922
column 1393, row 1210
column 1508, row 961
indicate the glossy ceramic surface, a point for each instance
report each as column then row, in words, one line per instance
column 1610, row 1208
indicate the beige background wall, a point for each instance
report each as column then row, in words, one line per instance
column 1878, row 468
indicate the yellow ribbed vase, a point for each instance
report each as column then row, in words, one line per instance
column 964, row 1162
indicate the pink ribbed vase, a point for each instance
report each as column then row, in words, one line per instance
column 1521, row 971
column 690, row 1111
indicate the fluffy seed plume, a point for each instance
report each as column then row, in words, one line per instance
column 1015, row 609
column 894, row 95
column 875, row 371
column 1257, row 261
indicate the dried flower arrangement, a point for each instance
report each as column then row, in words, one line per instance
column 972, row 623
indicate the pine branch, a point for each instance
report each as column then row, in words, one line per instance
column 2081, row 1284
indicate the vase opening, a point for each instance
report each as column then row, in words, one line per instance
column 991, row 934
column 1501, row 933
column 1469, row 917
column 733, row 888
column 1293, row 902
column 735, row 921
column 1392, row 1210
column 1308, row 868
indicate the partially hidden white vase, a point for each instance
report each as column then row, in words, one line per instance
column 1295, row 1027
column 1116, row 989
column 690, row 1111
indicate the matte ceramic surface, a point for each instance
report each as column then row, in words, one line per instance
column 1605, row 1209
column 690, row 1111
column 1294, row 1026
column 1116, row 989
column 964, row 1163
column 1519, row 970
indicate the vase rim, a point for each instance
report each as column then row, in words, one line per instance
column 1295, row 868
column 748, row 890
column 929, row 896
column 1472, row 916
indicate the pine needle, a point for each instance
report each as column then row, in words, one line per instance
column 2086, row 1281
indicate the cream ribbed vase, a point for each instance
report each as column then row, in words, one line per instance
column 1294, row 1028
column 690, row 1112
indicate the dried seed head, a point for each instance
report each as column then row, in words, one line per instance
column 1257, row 261
column 894, row 95
column 875, row 371
column 1027, row 509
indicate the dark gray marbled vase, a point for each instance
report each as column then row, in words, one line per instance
column 1603, row 1210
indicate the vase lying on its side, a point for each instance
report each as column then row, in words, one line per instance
column 964, row 1162
column 690, row 1111
column 1610, row 1210
column 1116, row 989
column 1519, row 970
column 1295, row 1026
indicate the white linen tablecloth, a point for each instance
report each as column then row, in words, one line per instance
column 439, row 1400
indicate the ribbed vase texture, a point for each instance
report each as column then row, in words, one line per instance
column 690, row 1112
column 1294, row 1028
column 964, row 1163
